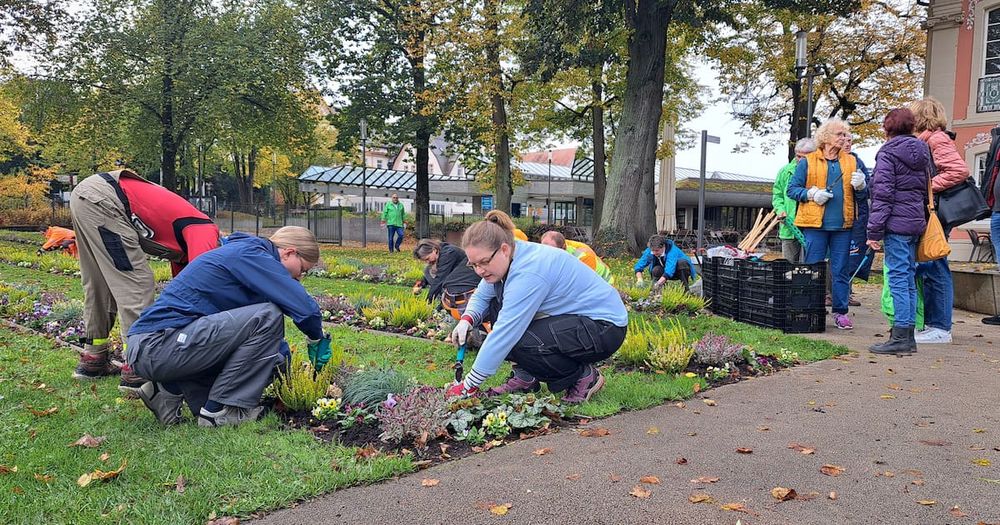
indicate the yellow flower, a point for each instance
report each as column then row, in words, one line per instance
column 690, row 374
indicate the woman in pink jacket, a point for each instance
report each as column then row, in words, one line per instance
column 939, row 292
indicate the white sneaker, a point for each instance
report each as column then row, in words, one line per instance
column 932, row 336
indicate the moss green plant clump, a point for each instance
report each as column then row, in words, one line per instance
column 369, row 387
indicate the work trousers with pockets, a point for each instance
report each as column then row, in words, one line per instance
column 682, row 273
column 558, row 350
column 229, row 357
column 116, row 275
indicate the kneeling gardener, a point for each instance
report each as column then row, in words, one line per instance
column 556, row 316
column 215, row 335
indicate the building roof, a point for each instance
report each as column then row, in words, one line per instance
column 720, row 176
column 560, row 157
column 372, row 177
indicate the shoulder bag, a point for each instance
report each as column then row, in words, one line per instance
column 961, row 203
column 932, row 245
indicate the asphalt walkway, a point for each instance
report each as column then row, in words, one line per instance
column 917, row 439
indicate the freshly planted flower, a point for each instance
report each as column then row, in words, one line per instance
column 326, row 408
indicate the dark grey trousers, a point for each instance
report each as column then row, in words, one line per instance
column 557, row 350
column 229, row 357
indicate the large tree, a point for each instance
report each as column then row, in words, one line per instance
column 864, row 65
column 377, row 56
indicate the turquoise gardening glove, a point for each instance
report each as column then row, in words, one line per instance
column 319, row 352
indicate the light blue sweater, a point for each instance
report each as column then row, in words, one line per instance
column 541, row 280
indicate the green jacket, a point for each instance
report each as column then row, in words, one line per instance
column 393, row 214
column 780, row 200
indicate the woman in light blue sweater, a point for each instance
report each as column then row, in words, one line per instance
column 556, row 316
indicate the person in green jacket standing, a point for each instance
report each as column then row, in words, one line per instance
column 392, row 218
column 784, row 206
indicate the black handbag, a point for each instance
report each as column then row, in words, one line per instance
column 961, row 203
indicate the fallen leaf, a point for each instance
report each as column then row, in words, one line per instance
column 18, row 490
column 573, row 477
column 763, row 429
column 366, row 453
column 4, row 469
column 887, row 396
column 44, row 478
column 979, row 431
column 927, row 502
column 681, row 461
column 700, row 498
column 744, row 450
column 640, row 492
column 88, row 441
column 225, row 520
column 100, row 475
column 500, row 510
column 696, row 388
column 542, row 451
column 981, row 462
column 783, row 494
column 889, row 474
column 595, row 432
column 802, row 449
column 935, row 442
column 831, row 470
column 736, row 507
column 705, row 479
column 917, row 482
column 615, row 478
column 894, row 386
column 429, row 482
column 709, row 402
column 957, row 512
column 651, row 480
column 180, row 484
column 43, row 413
column 832, row 495
column 652, row 430
column 104, row 457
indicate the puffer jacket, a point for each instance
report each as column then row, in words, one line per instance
column 951, row 167
column 899, row 188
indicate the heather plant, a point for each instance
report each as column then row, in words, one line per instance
column 333, row 303
column 410, row 312
column 370, row 387
column 300, row 385
column 635, row 349
column 673, row 298
column 670, row 352
column 717, row 350
column 373, row 273
column 417, row 415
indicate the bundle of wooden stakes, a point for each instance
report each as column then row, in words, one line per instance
column 761, row 227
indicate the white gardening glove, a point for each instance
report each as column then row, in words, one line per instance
column 461, row 332
column 811, row 194
column 821, row 196
column 858, row 181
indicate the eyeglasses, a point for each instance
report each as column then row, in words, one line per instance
column 484, row 264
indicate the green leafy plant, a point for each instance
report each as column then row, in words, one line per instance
column 370, row 387
column 673, row 298
column 634, row 292
column 635, row 349
column 786, row 357
column 410, row 312
column 299, row 386
column 495, row 424
column 473, row 436
column 326, row 408
column 670, row 352
column 419, row 414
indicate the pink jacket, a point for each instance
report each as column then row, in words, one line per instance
column 951, row 168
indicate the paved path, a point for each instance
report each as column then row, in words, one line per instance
column 903, row 430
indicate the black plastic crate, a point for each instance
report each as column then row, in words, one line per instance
column 805, row 321
column 709, row 278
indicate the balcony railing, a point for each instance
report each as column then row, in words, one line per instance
column 989, row 95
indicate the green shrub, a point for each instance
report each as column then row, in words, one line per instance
column 673, row 298
column 670, row 351
column 299, row 387
column 635, row 349
column 413, row 275
column 633, row 292
column 411, row 312
column 369, row 387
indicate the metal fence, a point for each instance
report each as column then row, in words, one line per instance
column 325, row 223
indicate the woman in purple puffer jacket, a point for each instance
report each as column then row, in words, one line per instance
column 897, row 219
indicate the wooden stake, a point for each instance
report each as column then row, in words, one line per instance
column 758, row 225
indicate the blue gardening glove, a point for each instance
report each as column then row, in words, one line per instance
column 319, row 352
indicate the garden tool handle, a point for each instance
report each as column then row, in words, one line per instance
column 459, row 368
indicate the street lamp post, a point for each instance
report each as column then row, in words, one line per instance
column 802, row 71
column 705, row 139
column 548, row 197
column 364, row 182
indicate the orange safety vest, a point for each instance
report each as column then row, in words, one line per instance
column 57, row 237
column 810, row 214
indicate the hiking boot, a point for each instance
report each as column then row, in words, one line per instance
column 899, row 343
column 993, row 321
column 515, row 385
column 229, row 415
column 94, row 366
column 130, row 383
column 933, row 336
column 852, row 301
column 165, row 405
column 843, row 322
column 588, row 385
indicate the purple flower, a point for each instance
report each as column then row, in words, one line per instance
column 390, row 401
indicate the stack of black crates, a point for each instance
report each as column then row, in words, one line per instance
column 774, row 294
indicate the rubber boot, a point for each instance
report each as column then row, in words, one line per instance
column 900, row 342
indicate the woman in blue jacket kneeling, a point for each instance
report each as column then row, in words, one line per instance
column 665, row 261
column 216, row 334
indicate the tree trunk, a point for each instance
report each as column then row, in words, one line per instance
column 600, row 160
column 504, row 188
column 422, row 142
column 630, row 207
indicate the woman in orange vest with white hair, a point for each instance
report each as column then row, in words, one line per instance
column 826, row 184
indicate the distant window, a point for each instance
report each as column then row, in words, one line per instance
column 980, row 168
column 993, row 43
column 379, row 164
